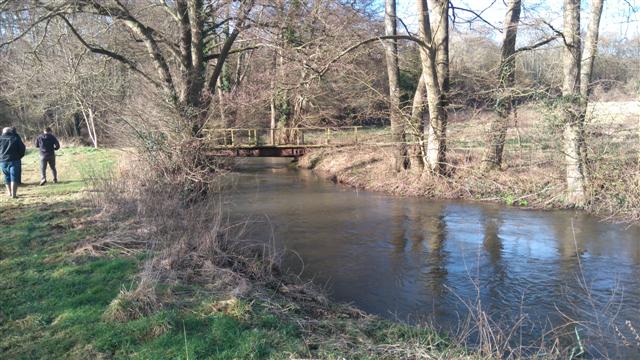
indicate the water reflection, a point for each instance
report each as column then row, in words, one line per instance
column 413, row 258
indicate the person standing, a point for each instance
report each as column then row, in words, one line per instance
column 12, row 150
column 48, row 144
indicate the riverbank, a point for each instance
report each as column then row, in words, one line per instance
column 532, row 175
column 371, row 169
column 73, row 286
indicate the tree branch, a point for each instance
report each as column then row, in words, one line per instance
column 476, row 15
column 52, row 14
column 108, row 53
column 418, row 41
column 538, row 44
column 244, row 10
column 210, row 57
column 559, row 33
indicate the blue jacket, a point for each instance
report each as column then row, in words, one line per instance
column 11, row 147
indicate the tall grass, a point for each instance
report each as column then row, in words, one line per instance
column 184, row 241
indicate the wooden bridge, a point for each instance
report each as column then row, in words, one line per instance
column 289, row 142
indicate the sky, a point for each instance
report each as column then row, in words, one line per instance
column 620, row 18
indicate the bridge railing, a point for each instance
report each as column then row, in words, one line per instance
column 296, row 136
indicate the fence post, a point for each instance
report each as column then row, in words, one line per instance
column 327, row 137
column 233, row 140
column 355, row 133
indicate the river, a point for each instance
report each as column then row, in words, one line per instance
column 415, row 259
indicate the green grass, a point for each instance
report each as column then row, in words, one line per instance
column 53, row 300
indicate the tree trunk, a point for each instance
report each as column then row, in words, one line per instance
column 76, row 124
column 416, row 150
column 440, row 35
column 590, row 48
column 393, row 73
column 272, row 123
column 92, row 129
column 435, row 82
column 506, row 79
column 89, row 120
column 588, row 57
column 573, row 109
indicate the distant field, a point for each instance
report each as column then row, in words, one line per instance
column 627, row 112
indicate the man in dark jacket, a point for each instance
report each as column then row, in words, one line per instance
column 12, row 150
column 48, row 144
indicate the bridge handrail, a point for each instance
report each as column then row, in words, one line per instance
column 299, row 135
column 288, row 128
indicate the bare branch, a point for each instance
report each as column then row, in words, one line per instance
column 538, row 44
column 108, row 53
column 46, row 17
column 368, row 41
column 477, row 15
column 234, row 51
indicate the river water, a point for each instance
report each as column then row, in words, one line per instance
column 415, row 259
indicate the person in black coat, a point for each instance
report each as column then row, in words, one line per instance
column 48, row 144
column 12, row 151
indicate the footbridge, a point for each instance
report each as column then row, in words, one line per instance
column 290, row 142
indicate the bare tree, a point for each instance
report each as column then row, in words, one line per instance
column 590, row 47
column 416, row 127
column 435, row 68
column 573, row 105
column 506, row 79
column 186, row 67
column 393, row 74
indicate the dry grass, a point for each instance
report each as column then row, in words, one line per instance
column 134, row 304
column 370, row 169
column 186, row 242
column 188, row 246
column 533, row 168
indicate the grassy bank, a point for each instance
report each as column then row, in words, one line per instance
column 532, row 175
column 63, row 298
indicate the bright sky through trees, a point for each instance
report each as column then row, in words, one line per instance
column 620, row 18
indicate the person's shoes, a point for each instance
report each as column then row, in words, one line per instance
column 55, row 181
column 43, row 181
